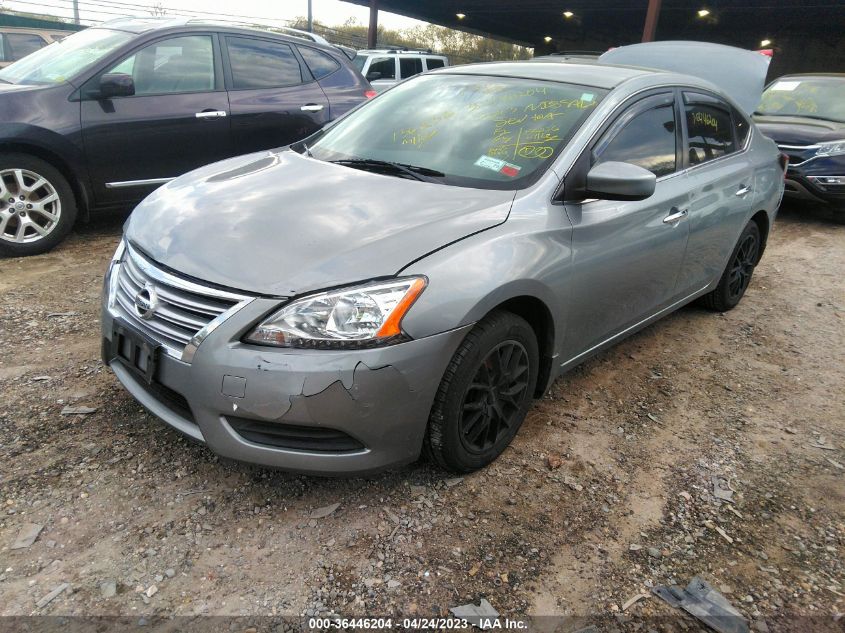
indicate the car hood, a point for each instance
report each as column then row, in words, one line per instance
column 16, row 88
column 796, row 130
column 279, row 223
column 739, row 73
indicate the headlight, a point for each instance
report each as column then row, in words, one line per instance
column 110, row 280
column 362, row 316
column 832, row 148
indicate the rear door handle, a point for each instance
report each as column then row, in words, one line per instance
column 743, row 190
column 211, row 114
column 311, row 107
column 676, row 216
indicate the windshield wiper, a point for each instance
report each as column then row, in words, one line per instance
column 417, row 173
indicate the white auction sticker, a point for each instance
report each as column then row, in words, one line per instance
column 786, row 86
column 488, row 162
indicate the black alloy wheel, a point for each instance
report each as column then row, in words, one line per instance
column 485, row 393
column 494, row 397
column 737, row 274
column 743, row 265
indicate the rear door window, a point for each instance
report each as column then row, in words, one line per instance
column 386, row 66
column 409, row 66
column 710, row 128
column 320, row 64
column 262, row 64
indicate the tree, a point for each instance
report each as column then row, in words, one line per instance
column 461, row 47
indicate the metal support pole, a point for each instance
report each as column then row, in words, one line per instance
column 310, row 17
column 651, row 17
column 76, row 11
column 372, row 32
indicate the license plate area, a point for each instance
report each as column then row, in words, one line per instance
column 135, row 350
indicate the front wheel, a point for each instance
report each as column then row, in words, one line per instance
column 37, row 206
column 485, row 393
column 737, row 275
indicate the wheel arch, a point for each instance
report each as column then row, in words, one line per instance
column 76, row 183
column 761, row 219
column 540, row 318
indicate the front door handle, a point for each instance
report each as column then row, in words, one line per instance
column 742, row 190
column 676, row 216
column 211, row 114
column 311, row 107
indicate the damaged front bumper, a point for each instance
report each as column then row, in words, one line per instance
column 311, row 411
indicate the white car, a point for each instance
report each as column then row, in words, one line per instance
column 386, row 67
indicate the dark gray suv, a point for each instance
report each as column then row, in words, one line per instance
column 105, row 116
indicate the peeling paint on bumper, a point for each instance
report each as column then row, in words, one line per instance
column 380, row 397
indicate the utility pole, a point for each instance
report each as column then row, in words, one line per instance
column 76, row 11
column 651, row 17
column 310, row 17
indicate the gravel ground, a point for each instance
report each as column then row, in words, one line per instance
column 607, row 491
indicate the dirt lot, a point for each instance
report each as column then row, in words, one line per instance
column 606, row 492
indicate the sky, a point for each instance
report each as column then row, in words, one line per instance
column 330, row 12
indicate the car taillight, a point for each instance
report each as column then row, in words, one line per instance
column 783, row 160
column 370, row 94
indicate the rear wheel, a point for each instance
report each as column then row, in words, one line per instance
column 485, row 394
column 737, row 275
column 37, row 206
column 839, row 215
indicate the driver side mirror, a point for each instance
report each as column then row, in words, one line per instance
column 619, row 181
column 373, row 75
column 116, row 85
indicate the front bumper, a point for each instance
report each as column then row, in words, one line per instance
column 809, row 181
column 354, row 411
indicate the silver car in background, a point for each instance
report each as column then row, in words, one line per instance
column 409, row 278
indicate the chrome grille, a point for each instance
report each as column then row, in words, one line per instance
column 185, row 311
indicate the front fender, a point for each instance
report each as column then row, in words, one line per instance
column 524, row 257
column 65, row 153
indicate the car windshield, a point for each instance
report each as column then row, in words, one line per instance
column 473, row 131
column 814, row 97
column 63, row 60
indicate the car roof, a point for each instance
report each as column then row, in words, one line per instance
column 585, row 73
column 144, row 25
column 399, row 51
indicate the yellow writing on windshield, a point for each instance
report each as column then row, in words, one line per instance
column 421, row 134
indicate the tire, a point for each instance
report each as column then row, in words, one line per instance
column 839, row 216
column 734, row 281
column 37, row 206
column 456, row 438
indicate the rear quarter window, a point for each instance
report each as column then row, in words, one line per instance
column 432, row 63
column 320, row 64
column 741, row 128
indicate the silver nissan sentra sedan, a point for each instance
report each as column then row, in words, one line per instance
column 409, row 278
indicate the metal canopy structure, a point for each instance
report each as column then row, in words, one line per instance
column 805, row 34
